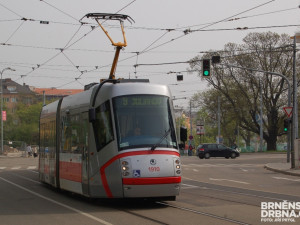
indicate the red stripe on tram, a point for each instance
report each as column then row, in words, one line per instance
column 126, row 154
column 151, row 180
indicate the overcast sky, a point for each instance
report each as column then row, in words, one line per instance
column 67, row 54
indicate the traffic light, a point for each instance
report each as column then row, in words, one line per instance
column 286, row 123
column 183, row 134
column 206, row 67
column 215, row 59
column 179, row 77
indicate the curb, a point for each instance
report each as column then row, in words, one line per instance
column 282, row 171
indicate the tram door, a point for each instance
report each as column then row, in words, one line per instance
column 85, row 153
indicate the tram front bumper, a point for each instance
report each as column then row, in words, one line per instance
column 151, row 187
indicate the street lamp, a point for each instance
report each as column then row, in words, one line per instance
column 8, row 68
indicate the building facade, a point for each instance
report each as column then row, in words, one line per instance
column 14, row 93
column 50, row 94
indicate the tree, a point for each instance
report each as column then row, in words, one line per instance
column 229, row 121
column 23, row 125
column 264, row 51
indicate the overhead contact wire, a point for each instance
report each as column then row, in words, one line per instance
column 14, row 32
column 11, row 11
column 59, row 10
column 211, row 24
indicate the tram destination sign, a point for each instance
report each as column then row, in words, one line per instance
column 137, row 101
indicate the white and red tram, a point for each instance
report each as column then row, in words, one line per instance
column 115, row 140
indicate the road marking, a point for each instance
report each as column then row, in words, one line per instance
column 16, row 168
column 236, row 181
column 2, row 168
column 240, row 193
column 195, row 170
column 31, row 167
column 25, row 178
column 188, row 186
column 59, row 203
column 244, row 170
column 283, row 178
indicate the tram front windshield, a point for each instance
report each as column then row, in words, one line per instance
column 144, row 121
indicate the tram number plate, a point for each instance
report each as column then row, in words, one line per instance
column 154, row 169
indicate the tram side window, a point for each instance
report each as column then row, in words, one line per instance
column 42, row 138
column 74, row 133
column 66, row 133
column 47, row 137
column 51, row 136
column 78, row 133
column 103, row 126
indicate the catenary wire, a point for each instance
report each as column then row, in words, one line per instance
column 59, row 10
column 10, row 37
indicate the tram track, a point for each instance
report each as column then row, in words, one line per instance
column 227, row 190
column 224, row 194
column 145, row 210
column 204, row 214
column 158, row 204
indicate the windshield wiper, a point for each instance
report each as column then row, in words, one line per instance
column 161, row 139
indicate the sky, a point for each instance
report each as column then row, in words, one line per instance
column 67, row 50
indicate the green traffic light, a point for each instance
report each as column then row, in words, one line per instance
column 285, row 129
column 206, row 73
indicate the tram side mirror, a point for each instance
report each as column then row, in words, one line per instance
column 92, row 115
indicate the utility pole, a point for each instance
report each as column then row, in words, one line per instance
column 261, row 118
column 295, row 102
column 8, row 68
column 219, row 121
column 44, row 96
column 191, row 129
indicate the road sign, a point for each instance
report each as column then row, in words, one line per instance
column 4, row 115
column 288, row 111
column 200, row 130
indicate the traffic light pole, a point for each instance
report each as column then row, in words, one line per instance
column 290, row 143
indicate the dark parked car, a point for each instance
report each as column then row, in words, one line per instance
column 216, row 150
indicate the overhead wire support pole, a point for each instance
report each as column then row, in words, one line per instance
column 261, row 117
column 290, row 145
column 295, row 108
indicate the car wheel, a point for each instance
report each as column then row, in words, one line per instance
column 233, row 155
column 201, row 157
column 206, row 155
column 227, row 157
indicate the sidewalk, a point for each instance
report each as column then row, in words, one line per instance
column 13, row 154
column 284, row 168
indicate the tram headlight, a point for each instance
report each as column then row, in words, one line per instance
column 177, row 166
column 124, row 163
column 125, row 173
column 125, row 167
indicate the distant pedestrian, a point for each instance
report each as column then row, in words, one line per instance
column 35, row 152
column 29, row 151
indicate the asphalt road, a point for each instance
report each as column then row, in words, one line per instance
column 214, row 191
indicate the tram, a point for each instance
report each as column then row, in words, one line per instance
column 116, row 139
